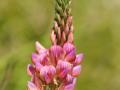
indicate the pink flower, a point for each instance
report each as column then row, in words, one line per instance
column 47, row 73
column 57, row 66
column 63, row 68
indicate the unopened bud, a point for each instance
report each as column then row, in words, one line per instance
column 70, row 37
column 53, row 37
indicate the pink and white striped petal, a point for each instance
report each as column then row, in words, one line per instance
column 56, row 51
column 71, row 85
column 76, row 70
column 38, row 66
column 63, row 68
column 30, row 70
column 71, row 56
column 68, row 47
column 69, row 78
column 79, row 58
column 47, row 73
column 31, row 86
column 34, row 57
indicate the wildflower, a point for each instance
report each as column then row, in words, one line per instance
column 57, row 67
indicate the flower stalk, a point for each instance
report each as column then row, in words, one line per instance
column 62, row 30
column 57, row 67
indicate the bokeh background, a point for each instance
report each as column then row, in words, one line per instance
column 97, row 34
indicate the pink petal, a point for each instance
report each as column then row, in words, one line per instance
column 31, row 86
column 70, row 86
column 63, row 67
column 44, row 74
column 47, row 73
column 47, row 79
column 79, row 58
column 74, row 81
column 50, row 74
column 38, row 83
column 63, row 73
column 70, row 37
column 76, row 70
column 43, row 71
column 56, row 51
column 30, row 70
column 71, row 56
column 69, row 78
column 38, row 66
column 68, row 47
column 52, row 70
column 41, row 57
column 34, row 57
column 43, row 51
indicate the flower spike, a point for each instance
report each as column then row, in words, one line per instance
column 57, row 67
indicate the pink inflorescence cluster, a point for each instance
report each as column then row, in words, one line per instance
column 55, row 68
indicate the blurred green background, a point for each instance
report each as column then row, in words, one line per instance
column 97, row 34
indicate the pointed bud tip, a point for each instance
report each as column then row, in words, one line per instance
column 38, row 46
column 76, row 71
column 79, row 58
column 30, row 70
